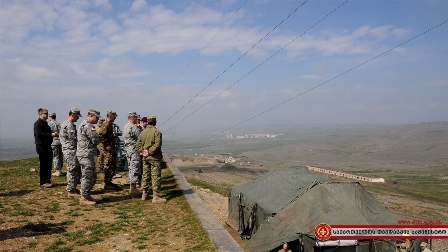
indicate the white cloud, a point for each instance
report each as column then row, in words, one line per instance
column 108, row 27
column 30, row 73
column 138, row 5
column 99, row 53
column 103, row 4
column 18, row 19
column 109, row 68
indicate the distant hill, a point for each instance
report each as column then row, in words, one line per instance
column 14, row 149
column 329, row 146
column 412, row 146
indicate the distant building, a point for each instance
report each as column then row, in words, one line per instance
column 346, row 175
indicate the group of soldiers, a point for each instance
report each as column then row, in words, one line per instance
column 142, row 145
column 405, row 246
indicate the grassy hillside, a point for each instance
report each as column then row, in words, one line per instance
column 37, row 219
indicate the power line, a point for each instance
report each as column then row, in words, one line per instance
column 337, row 76
column 225, row 70
column 199, row 53
column 281, row 49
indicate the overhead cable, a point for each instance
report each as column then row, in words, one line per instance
column 225, row 70
column 258, row 65
column 337, row 76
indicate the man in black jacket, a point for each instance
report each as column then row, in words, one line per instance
column 43, row 137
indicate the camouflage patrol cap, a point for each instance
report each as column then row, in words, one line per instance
column 101, row 120
column 94, row 112
column 52, row 114
column 152, row 118
column 76, row 111
column 132, row 114
column 111, row 112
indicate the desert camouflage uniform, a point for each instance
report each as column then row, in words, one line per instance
column 87, row 141
column 100, row 151
column 151, row 140
column 117, row 134
column 107, row 138
column 404, row 246
column 139, row 182
column 69, row 140
column 130, row 136
column 56, row 145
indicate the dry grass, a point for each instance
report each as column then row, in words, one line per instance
column 36, row 219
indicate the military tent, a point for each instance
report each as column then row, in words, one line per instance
column 323, row 202
column 250, row 204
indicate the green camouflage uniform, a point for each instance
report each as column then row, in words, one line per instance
column 151, row 140
column 107, row 138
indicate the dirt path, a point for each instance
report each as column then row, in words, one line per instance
column 218, row 205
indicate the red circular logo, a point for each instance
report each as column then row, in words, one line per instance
column 322, row 231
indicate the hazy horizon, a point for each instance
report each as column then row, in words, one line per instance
column 207, row 141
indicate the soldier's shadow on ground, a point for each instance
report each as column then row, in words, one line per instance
column 31, row 229
column 60, row 185
column 16, row 193
column 168, row 180
column 106, row 196
column 171, row 194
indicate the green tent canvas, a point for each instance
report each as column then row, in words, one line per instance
column 286, row 205
column 250, row 204
column 324, row 202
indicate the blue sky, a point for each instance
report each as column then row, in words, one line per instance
column 154, row 57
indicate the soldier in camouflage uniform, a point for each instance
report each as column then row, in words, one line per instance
column 107, row 145
column 100, row 151
column 69, row 140
column 141, row 127
column 86, row 150
column 117, row 134
column 56, row 145
column 404, row 246
column 130, row 136
column 137, row 123
column 424, row 247
column 149, row 144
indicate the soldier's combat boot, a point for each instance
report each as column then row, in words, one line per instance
column 133, row 191
column 84, row 201
column 144, row 194
column 157, row 199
